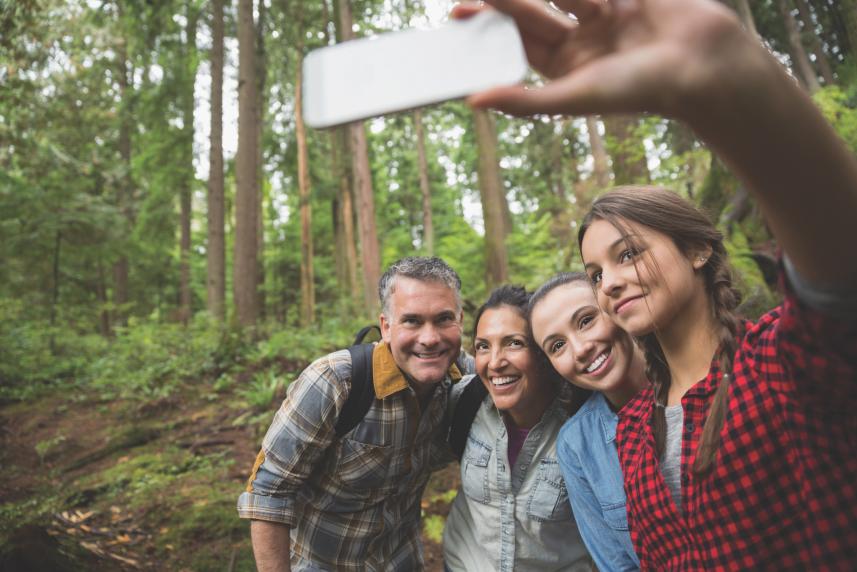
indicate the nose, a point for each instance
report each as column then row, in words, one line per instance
column 497, row 359
column 429, row 335
column 583, row 349
column 611, row 283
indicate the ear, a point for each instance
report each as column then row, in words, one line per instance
column 700, row 256
column 386, row 330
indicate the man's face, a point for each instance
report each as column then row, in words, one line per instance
column 423, row 330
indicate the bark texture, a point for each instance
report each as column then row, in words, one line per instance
column 245, row 264
column 216, row 251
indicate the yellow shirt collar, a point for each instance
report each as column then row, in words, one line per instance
column 386, row 375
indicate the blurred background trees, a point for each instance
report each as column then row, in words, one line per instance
column 154, row 168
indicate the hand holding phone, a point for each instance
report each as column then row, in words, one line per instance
column 403, row 70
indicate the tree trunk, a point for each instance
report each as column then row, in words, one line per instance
column 815, row 44
column 364, row 198
column 307, row 275
column 425, row 189
column 55, row 290
column 245, row 266
column 104, row 327
column 261, row 77
column 343, row 205
column 120, row 267
column 626, row 149
column 185, row 192
column 746, row 15
column 216, row 251
column 800, row 59
column 494, row 205
column 600, row 160
column 848, row 9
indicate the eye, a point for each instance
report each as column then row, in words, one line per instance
column 517, row 344
column 627, row 255
column 556, row 346
column 585, row 321
column 480, row 346
column 595, row 277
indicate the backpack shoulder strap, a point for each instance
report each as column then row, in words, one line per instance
column 465, row 411
column 362, row 391
column 364, row 331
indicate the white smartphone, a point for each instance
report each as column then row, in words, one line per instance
column 404, row 70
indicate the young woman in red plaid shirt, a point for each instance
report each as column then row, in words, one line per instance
column 761, row 451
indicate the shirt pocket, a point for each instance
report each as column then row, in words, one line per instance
column 474, row 470
column 364, row 466
column 549, row 498
column 615, row 515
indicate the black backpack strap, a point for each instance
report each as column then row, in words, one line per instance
column 362, row 392
column 469, row 401
column 364, row 331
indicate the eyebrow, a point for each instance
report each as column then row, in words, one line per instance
column 621, row 239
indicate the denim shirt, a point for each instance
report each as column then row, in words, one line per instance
column 512, row 518
column 586, row 448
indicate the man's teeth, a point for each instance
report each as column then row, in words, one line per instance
column 428, row 356
column 504, row 380
column 598, row 361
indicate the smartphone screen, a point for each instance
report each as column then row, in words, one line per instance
column 404, row 70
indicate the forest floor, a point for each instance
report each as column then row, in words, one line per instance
column 89, row 483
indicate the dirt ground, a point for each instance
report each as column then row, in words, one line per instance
column 117, row 538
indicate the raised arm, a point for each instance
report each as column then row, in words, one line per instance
column 691, row 60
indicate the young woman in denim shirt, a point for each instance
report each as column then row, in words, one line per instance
column 590, row 351
column 512, row 511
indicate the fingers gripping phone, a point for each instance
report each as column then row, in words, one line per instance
column 404, row 70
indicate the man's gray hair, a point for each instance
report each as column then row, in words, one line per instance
column 423, row 268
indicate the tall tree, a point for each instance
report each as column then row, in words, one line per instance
column 261, row 93
column 626, row 149
column 425, row 188
column 307, row 274
column 799, row 57
column 601, row 165
column 345, row 253
column 125, row 186
column 216, row 251
column 746, row 15
column 245, row 264
column 814, row 42
column 364, row 198
column 185, row 191
column 494, row 204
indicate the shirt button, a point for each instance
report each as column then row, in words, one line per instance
column 689, row 426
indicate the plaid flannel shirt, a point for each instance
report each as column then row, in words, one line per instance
column 352, row 503
column 783, row 493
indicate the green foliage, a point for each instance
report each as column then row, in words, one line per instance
column 840, row 108
column 757, row 296
column 46, row 447
column 433, row 526
column 262, row 389
column 148, row 360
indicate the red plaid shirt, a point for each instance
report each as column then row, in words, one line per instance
column 783, row 493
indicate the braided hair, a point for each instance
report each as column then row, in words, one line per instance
column 690, row 230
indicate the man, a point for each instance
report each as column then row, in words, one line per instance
column 318, row 502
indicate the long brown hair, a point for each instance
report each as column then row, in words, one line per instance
column 691, row 231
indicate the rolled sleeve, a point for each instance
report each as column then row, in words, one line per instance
column 296, row 442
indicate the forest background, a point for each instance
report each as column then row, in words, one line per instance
column 176, row 246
